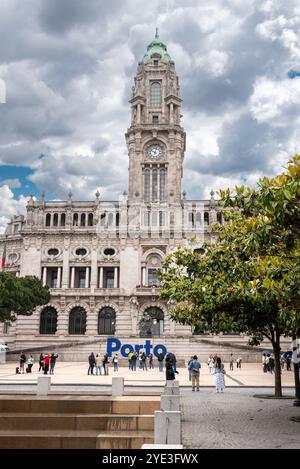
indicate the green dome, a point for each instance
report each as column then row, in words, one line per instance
column 156, row 47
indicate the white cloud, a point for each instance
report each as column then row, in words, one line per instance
column 9, row 206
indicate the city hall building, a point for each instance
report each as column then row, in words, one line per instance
column 101, row 258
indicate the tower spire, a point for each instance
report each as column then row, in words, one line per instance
column 156, row 34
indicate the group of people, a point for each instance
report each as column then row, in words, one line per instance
column 46, row 363
column 268, row 363
column 100, row 364
column 215, row 366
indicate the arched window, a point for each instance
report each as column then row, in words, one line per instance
column 55, row 219
column 82, row 219
column 77, row 321
column 154, row 185
column 48, row 219
column 75, row 219
column 63, row 219
column 154, row 263
column 147, row 185
column 155, row 95
column 90, row 219
column 206, row 218
column 152, row 322
column 107, row 321
column 162, row 185
column 48, row 320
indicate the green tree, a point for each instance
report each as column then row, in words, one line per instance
column 20, row 296
column 249, row 279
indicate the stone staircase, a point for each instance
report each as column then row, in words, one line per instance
column 76, row 422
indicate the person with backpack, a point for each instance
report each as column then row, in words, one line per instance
column 189, row 370
column 194, row 366
column 160, row 359
column 133, row 360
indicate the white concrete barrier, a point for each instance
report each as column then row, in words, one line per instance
column 43, row 385
column 117, row 386
column 169, row 402
column 172, row 383
column 3, row 357
column 167, row 427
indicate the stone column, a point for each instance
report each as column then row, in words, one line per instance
column 66, row 267
column 138, row 118
column 72, row 277
column 94, row 270
column 101, row 278
column 87, row 277
column 143, row 276
column 116, row 278
column 171, row 113
column 58, row 277
column 44, row 276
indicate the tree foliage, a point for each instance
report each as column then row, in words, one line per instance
column 20, row 296
column 249, row 280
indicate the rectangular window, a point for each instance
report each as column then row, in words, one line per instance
column 53, row 279
column 153, row 277
column 109, row 276
column 155, row 120
column 81, row 276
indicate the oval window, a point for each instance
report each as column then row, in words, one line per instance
column 80, row 252
column 13, row 257
column 109, row 252
column 53, row 252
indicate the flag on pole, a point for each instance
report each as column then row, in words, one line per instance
column 4, row 256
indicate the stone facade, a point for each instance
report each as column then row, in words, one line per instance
column 101, row 258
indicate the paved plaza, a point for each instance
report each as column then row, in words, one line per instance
column 250, row 374
column 236, row 419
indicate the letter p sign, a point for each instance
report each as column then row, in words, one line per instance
column 113, row 345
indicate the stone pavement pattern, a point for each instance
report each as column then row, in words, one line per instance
column 235, row 419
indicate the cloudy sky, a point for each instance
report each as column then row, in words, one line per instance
column 68, row 67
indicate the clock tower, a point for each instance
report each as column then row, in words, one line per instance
column 155, row 139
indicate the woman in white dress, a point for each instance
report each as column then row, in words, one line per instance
column 219, row 372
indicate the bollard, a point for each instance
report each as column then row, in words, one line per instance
column 117, row 386
column 169, row 402
column 43, row 385
column 167, row 427
column 172, row 383
column 171, row 391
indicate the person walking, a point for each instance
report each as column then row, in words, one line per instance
column 219, row 372
column 288, row 363
column 116, row 362
column 41, row 362
column 195, row 366
column 92, row 363
column 105, row 363
column 231, row 362
column 30, row 362
column 53, row 358
column 169, row 369
column 98, row 364
column 160, row 359
column 22, row 362
column 46, row 363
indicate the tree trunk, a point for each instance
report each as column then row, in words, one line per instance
column 276, row 349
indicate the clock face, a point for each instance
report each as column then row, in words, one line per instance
column 154, row 152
